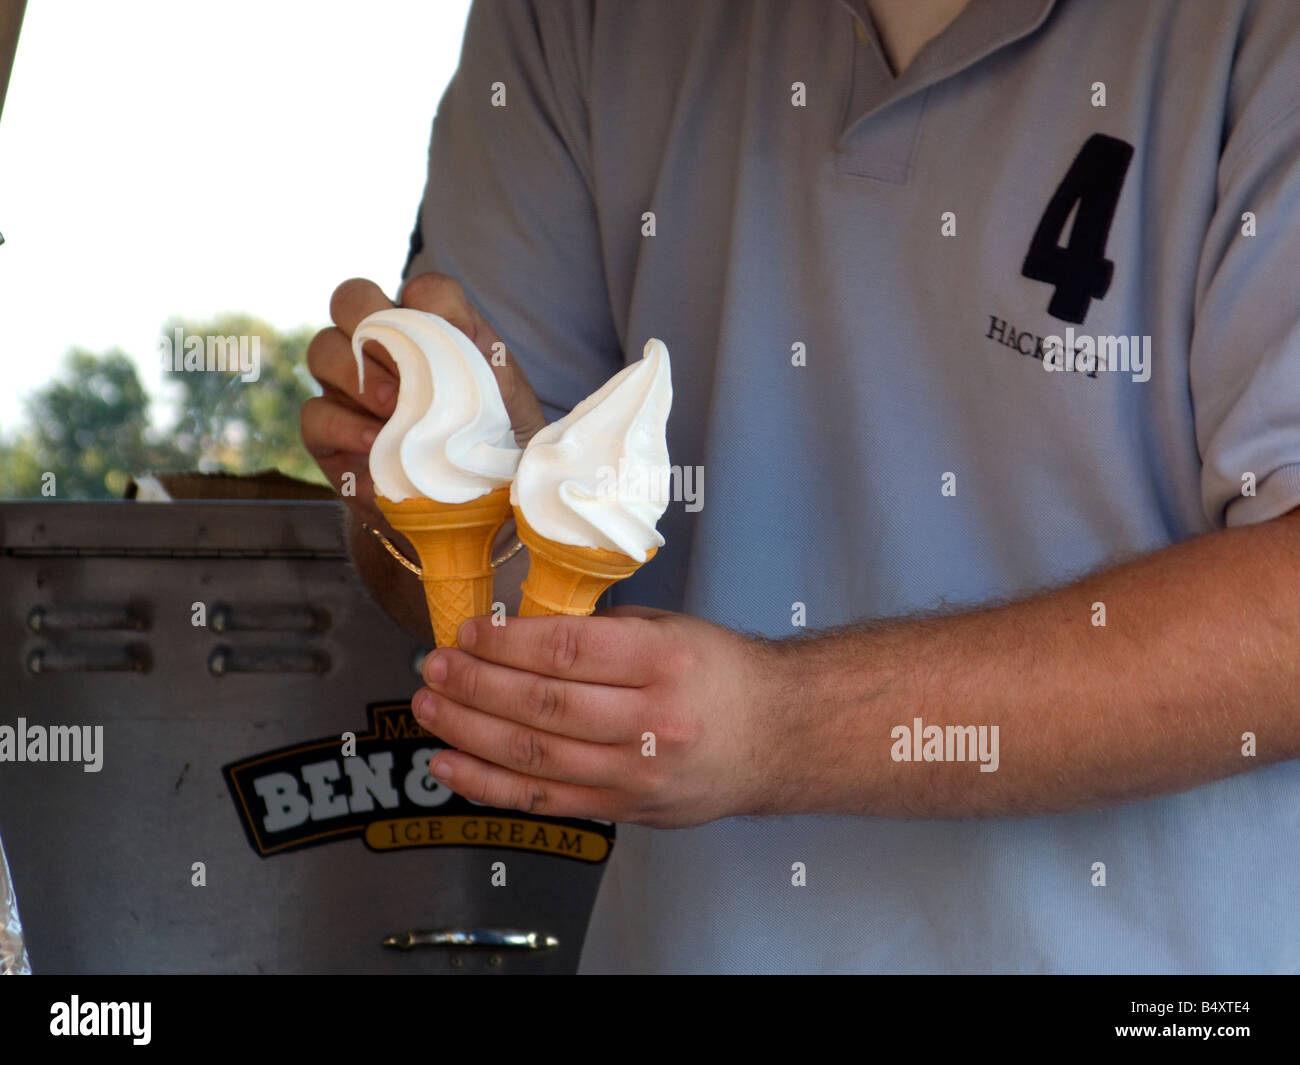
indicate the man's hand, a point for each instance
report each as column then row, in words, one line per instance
column 1193, row 677
column 558, row 715
column 339, row 426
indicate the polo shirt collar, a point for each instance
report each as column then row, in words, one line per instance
column 982, row 28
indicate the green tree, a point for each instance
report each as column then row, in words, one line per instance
column 20, row 472
column 89, row 427
column 227, row 423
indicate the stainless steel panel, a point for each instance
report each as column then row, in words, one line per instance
column 96, row 629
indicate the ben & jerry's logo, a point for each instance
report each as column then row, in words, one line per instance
column 378, row 787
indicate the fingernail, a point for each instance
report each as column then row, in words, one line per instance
column 441, row 770
column 435, row 669
column 466, row 636
column 368, row 436
column 422, row 703
column 384, row 393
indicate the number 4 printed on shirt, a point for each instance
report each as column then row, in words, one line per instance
column 1080, row 270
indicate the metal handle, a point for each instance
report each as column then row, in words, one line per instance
column 495, row 938
column 267, row 660
column 129, row 658
column 269, row 617
column 89, row 617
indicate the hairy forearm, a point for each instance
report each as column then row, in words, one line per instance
column 1201, row 645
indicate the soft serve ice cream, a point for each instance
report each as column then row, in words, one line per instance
column 598, row 477
column 449, row 438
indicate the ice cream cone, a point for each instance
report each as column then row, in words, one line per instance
column 564, row 579
column 454, row 542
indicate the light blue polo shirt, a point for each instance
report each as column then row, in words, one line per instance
column 1097, row 166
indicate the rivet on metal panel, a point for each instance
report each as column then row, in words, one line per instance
column 417, row 662
column 457, row 962
column 495, row 960
column 134, row 616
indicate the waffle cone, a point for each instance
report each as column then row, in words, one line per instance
column 454, row 543
column 563, row 579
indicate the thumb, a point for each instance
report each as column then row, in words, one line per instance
column 442, row 295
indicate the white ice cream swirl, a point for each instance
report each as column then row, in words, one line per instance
column 449, row 438
column 599, row 477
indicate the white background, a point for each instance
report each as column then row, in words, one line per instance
column 189, row 157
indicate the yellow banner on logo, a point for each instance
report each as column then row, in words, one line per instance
column 487, row 831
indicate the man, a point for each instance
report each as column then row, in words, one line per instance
column 894, row 277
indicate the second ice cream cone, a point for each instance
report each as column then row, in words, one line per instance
column 454, row 542
column 565, row 579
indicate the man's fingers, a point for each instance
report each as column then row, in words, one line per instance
column 618, row 651
column 631, row 610
column 518, row 747
column 354, row 300
column 526, row 414
column 336, row 466
column 331, row 362
column 442, row 295
column 335, row 469
column 592, row 712
column 328, row 427
column 494, row 786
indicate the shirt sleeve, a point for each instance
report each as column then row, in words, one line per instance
column 1245, row 353
column 508, row 209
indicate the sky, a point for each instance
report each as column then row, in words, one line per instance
column 191, row 157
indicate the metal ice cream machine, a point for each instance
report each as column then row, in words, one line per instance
column 208, row 761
